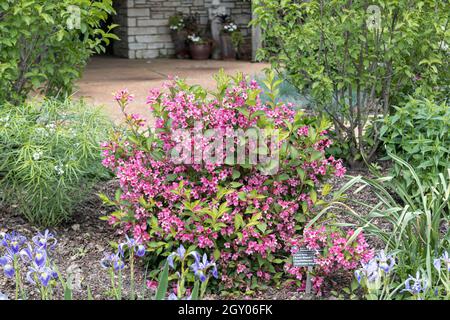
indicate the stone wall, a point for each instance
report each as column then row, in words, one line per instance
column 144, row 30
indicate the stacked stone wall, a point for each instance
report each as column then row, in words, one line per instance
column 144, row 29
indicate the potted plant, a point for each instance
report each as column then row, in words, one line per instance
column 199, row 48
column 179, row 35
column 237, row 40
column 229, row 40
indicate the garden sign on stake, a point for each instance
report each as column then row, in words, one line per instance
column 305, row 258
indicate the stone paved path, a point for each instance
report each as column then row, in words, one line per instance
column 105, row 75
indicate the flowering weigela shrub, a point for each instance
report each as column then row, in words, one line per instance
column 337, row 251
column 247, row 217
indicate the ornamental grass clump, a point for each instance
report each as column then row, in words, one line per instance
column 183, row 183
column 50, row 157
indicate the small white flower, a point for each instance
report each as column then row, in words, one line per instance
column 51, row 127
column 59, row 169
column 41, row 131
column 37, row 155
column 5, row 119
column 194, row 38
column 444, row 46
column 230, row 27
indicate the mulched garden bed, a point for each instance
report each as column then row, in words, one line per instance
column 83, row 242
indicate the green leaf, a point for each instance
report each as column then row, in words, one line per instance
column 236, row 185
column 238, row 221
column 217, row 254
column 326, row 189
column 195, row 291
column 163, row 283
column 262, row 227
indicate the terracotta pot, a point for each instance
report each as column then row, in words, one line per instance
column 227, row 48
column 179, row 39
column 200, row 51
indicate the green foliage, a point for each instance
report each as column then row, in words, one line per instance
column 163, row 283
column 49, row 156
column 353, row 72
column 237, row 39
column 418, row 133
column 44, row 46
column 414, row 230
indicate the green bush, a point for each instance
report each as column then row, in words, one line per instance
column 418, row 133
column 355, row 72
column 412, row 227
column 44, row 44
column 49, row 157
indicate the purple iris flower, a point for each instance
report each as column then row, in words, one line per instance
column 170, row 261
column 140, row 250
column 438, row 261
column 40, row 257
column 132, row 244
column 113, row 261
column 437, row 264
column 13, row 240
column 119, row 264
column 9, row 271
column 7, row 261
column 214, row 272
column 26, row 254
column 369, row 270
column 415, row 285
column 201, row 266
column 7, row 258
column 43, row 274
column 386, row 263
column 173, row 296
column 446, row 260
column 37, row 256
column 180, row 253
column 45, row 240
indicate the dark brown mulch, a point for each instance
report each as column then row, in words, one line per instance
column 83, row 241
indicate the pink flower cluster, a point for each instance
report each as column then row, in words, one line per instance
column 123, row 96
column 165, row 202
column 335, row 253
